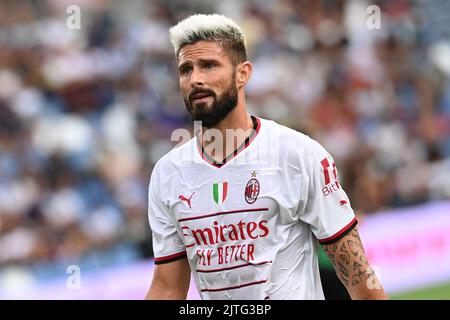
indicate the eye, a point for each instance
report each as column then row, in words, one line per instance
column 209, row 65
column 185, row 70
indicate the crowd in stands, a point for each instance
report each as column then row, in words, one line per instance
column 86, row 113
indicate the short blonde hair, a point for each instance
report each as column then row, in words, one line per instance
column 210, row 27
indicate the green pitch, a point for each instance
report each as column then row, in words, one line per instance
column 441, row 292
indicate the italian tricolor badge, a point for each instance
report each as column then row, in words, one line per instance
column 220, row 192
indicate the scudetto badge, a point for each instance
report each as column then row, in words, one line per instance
column 251, row 190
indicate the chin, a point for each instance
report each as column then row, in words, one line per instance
column 203, row 106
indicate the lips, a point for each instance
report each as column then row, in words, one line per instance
column 200, row 97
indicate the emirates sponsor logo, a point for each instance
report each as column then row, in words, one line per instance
column 230, row 232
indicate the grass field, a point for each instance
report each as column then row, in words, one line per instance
column 441, row 292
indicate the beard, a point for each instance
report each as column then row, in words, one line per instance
column 220, row 108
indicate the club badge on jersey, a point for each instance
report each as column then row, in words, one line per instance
column 252, row 189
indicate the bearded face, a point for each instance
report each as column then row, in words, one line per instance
column 207, row 81
column 210, row 108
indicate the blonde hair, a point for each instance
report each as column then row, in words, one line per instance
column 210, row 27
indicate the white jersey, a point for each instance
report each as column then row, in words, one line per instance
column 250, row 226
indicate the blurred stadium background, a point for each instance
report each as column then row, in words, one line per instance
column 85, row 114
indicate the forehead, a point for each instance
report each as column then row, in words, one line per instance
column 201, row 50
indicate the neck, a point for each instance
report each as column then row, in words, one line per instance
column 232, row 132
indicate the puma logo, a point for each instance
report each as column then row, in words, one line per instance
column 188, row 200
column 342, row 202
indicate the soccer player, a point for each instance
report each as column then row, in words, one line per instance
column 245, row 220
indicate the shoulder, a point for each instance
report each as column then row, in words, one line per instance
column 175, row 158
column 282, row 132
column 292, row 143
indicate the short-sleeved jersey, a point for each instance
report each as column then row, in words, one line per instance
column 250, row 225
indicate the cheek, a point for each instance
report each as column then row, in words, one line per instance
column 184, row 87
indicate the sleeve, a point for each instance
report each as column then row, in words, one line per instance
column 167, row 244
column 327, row 208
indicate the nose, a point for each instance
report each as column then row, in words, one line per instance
column 197, row 79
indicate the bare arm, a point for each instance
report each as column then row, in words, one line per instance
column 170, row 281
column 353, row 269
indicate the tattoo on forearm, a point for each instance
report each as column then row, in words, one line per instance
column 343, row 272
column 349, row 260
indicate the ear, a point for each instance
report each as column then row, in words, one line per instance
column 243, row 74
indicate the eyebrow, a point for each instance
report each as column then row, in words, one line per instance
column 201, row 61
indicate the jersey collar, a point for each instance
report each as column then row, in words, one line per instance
column 245, row 144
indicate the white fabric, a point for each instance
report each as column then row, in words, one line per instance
column 266, row 249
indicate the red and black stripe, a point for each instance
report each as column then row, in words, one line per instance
column 339, row 235
column 233, row 267
column 170, row 258
column 234, row 287
column 222, row 213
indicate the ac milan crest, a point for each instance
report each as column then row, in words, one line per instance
column 251, row 190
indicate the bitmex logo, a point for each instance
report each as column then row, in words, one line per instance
column 229, row 232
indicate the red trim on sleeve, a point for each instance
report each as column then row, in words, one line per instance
column 338, row 234
column 170, row 258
